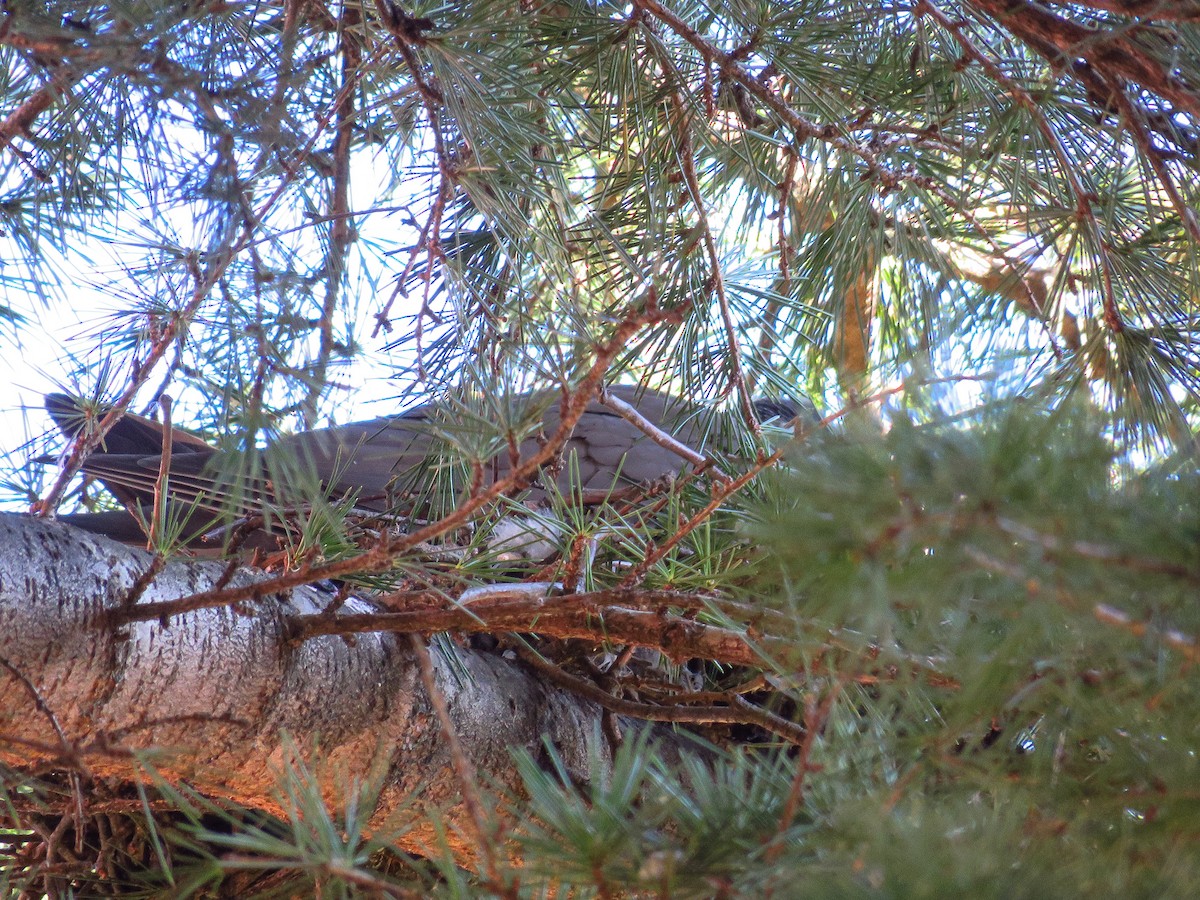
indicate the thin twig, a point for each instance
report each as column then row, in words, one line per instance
column 768, row 340
column 341, row 230
column 382, row 556
column 174, row 327
column 485, row 835
column 1083, row 198
column 740, row 713
column 687, row 165
column 668, row 442
column 815, row 717
column 159, row 511
column 802, row 127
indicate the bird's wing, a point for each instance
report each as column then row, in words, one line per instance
column 415, row 461
column 216, row 482
column 400, row 455
column 374, row 459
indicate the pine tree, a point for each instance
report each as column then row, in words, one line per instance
column 937, row 638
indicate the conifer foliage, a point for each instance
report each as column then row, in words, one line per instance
column 938, row 638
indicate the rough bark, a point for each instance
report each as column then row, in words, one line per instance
column 216, row 692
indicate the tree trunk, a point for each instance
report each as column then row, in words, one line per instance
column 216, row 691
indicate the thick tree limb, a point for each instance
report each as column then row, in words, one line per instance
column 214, row 691
column 1121, row 54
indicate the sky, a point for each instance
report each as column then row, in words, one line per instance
column 60, row 332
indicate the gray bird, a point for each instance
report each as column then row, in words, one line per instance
column 384, row 464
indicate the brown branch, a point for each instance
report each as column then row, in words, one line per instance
column 676, row 693
column 341, row 232
column 521, row 607
column 1103, row 612
column 139, row 587
column 20, row 120
column 64, row 56
column 407, row 33
column 85, row 444
column 485, row 837
column 815, row 717
column 676, row 637
column 424, row 242
column 722, row 492
column 635, row 618
column 768, row 339
column 1149, row 10
column 67, row 750
column 1083, row 198
column 739, row 713
column 292, row 10
column 668, row 442
column 1114, row 53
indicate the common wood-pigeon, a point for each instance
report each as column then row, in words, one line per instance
column 382, row 463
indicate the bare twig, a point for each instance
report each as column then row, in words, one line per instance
column 382, row 556
column 486, row 837
column 341, row 231
column 815, row 716
column 630, row 414
column 159, row 510
column 740, row 712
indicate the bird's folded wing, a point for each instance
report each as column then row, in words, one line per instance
column 417, row 462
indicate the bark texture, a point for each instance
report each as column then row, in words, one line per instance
column 213, row 693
